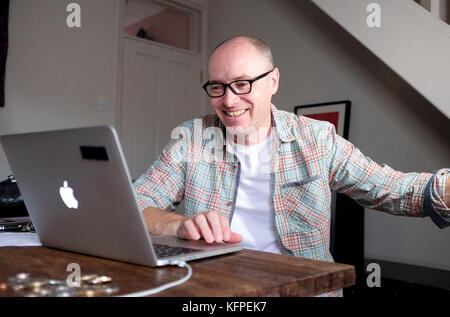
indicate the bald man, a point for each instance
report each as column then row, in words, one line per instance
column 255, row 175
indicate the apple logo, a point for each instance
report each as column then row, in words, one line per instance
column 67, row 196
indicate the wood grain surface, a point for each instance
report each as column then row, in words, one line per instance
column 240, row 274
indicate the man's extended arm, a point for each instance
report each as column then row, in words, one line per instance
column 381, row 188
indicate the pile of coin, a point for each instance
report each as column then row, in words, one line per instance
column 89, row 286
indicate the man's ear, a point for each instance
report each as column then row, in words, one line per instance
column 274, row 80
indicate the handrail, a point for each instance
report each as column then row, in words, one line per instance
column 433, row 12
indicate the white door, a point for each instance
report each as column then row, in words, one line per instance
column 162, row 89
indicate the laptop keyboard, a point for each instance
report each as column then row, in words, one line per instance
column 164, row 251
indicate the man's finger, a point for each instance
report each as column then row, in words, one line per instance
column 188, row 230
column 226, row 232
column 205, row 230
column 235, row 238
column 192, row 230
column 216, row 226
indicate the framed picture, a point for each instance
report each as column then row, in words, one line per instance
column 337, row 113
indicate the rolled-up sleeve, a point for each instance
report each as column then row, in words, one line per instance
column 434, row 203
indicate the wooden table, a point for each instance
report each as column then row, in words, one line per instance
column 241, row 274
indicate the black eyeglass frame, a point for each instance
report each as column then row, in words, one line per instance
column 250, row 81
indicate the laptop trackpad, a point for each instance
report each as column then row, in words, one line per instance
column 200, row 244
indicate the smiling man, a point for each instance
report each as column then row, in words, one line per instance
column 244, row 104
column 269, row 184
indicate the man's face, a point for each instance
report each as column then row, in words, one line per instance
column 241, row 60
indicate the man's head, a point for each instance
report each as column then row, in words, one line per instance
column 244, row 58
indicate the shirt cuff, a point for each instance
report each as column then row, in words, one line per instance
column 434, row 204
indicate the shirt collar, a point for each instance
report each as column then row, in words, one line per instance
column 281, row 125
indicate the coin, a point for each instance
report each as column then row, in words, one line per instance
column 23, row 276
column 36, row 283
column 97, row 290
column 94, row 279
column 19, row 278
column 91, row 285
column 100, row 280
column 88, row 277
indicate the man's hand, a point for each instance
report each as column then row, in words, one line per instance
column 211, row 226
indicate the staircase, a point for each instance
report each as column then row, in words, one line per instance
column 410, row 36
column 438, row 8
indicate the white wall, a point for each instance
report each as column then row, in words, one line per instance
column 56, row 74
column 390, row 122
column 409, row 35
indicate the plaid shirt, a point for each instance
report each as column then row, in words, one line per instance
column 309, row 160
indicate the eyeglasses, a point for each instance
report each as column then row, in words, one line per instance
column 238, row 87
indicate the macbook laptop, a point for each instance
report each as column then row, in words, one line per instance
column 78, row 193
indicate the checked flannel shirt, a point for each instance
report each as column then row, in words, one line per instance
column 309, row 160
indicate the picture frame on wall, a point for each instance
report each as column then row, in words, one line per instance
column 336, row 112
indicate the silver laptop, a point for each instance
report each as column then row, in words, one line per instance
column 78, row 192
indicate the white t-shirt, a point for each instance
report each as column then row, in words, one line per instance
column 253, row 216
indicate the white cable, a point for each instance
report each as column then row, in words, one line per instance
column 165, row 286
